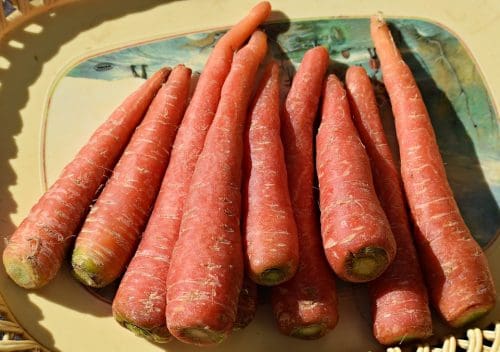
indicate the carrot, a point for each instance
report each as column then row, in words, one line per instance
column 163, row 226
column 206, row 271
column 247, row 304
column 306, row 305
column 400, row 306
column 455, row 268
column 111, row 231
column 37, row 248
column 269, row 230
column 357, row 237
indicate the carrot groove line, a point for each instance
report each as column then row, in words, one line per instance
column 110, row 233
column 357, row 237
column 400, row 306
column 269, row 229
column 162, row 230
column 37, row 248
column 455, row 268
column 306, row 305
column 206, row 271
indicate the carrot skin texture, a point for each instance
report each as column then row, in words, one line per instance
column 400, row 305
column 163, row 226
column 353, row 223
column 247, row 304
column 455, row 268
column 37, row 248
column 269, row 229
column 306, row 305
column 203, row 289
column 112, row 229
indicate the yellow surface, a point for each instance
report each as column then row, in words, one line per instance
column 63, row 316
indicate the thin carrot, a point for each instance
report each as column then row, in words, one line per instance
column 37, row 248
column 247, row 304
column 357, row 237
column 163, row 226
column 400, row 306
column 269, row 229
column 206, row 271
column 455, row 268
column 111, row 231
column 306, row 305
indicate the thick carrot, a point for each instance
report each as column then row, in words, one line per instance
column 111, row 231
column 247, row 304
column 269, row 230
column 357, row 237
column 456, row 270
column 400, row 306
column 161, row 233
column 306, row 305
column 206, row 271
column 37, row 248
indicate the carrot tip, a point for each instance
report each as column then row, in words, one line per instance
column 202, row 336
column 310, row 332
column 154, row 335
column 367, row 264
column 22, row 273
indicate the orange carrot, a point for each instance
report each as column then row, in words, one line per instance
column 269, row 230
column 161, row 233
column 456, row 270
column 111, row 231
column 306, row 305
column 247, row 304
column 357, row 237
column 206, row 271
column 400, row 307
column 37, row 248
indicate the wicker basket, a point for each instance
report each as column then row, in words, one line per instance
column 15, row 338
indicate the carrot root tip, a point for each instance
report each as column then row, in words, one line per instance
column 202, row 336
column 310, row 332
column 367, row 264
column 155, row 335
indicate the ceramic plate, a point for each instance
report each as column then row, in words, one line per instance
column 53, row 97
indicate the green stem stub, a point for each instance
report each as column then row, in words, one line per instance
column 272, row 277
column 155, row 335
column 86, row 270
column 367, row 264
column 202, row 336
column 309, row 332
column 470, row 315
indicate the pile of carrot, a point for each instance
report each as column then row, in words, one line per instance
column 192, row 202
